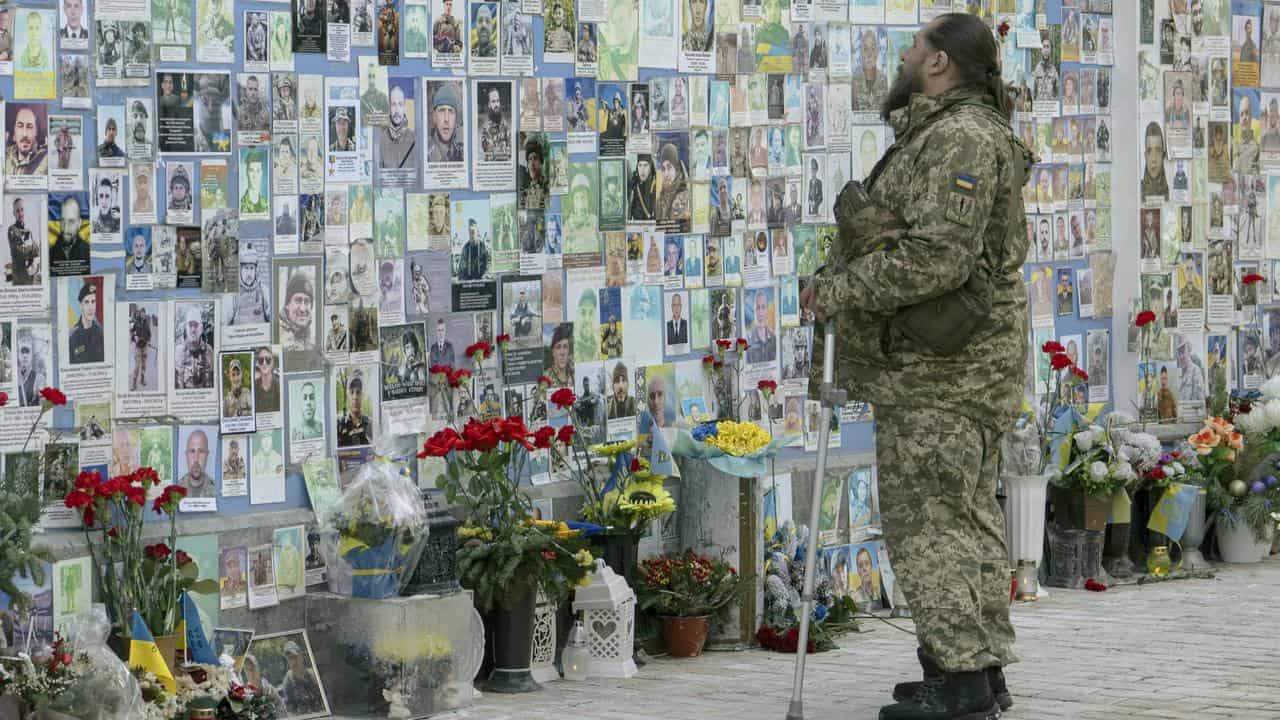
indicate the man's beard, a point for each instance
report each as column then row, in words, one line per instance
column 495, row 116
column 899, row 95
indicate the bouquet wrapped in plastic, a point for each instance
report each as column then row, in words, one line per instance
column 734, row 448
column 101, row 685
column 371, row 531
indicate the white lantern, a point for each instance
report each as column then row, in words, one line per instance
column 542, row 660
column 609, row 606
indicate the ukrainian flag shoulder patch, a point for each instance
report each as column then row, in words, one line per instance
column 963, row 182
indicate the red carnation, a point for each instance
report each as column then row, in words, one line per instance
column 1094, row 586
column 724, row 344
column 502, row 340
column 718, row 364
column 544, row 382
column 512, row 429
column 237, row 692
column 563, row 397
column 54, row 396
column 1144, row 318
column 479, row 350
column 77, row 499
column 708, row 359
column 542, row 438
column 457, row 376
column 168, row 499
column 182, row 558
column 88, row 480
column 4, row 399
column 1003, row 29
column 1052, row 346
column 1060, row 361
column 146, row 476
column 1157, row 473
column 480, row 435
column 1080, row 374
column 742, row 344
column 440, row 373
column 159, row 551
column 768, row 387
column 565, row 435
column 635, row 464
column 1252, row 278
column 442, row 443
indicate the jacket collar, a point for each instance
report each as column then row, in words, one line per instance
column 924, row 109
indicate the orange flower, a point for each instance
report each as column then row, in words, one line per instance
column 1204, row 441
column 1220, row 426
column 1235, row 441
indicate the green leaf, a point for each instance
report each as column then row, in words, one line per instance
column 206, row 586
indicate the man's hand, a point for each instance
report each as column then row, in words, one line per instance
column 809, row 301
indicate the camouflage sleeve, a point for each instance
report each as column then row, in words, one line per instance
column 946, row 204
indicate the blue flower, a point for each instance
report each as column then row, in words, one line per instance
column 705, row 430
column 819, row 612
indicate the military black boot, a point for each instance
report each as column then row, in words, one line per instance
column 904, row 691
column 952, row 696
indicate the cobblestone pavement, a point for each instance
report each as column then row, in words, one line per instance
column 1197, row 648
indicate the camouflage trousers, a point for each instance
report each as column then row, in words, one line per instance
column 945, row 533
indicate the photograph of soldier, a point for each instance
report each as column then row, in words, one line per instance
column 73, row 72
column 641, row 189
column 233, row 465
column 143, row 202
column 34, row 370
column 137, row 247
column 698, row 24
column 415, row 32
column 403, row 361
column 284, row 101
column 106, row 215
column 73, row 35
column 144, row 353
column 253, row 112
column 673, row 208
column 558, row 24
column 374, row 105
column 621, row 403
column 193, row 335
column 473, row 261
column 309, row 26
column 517, row 40
column 85, row 344
column 26, row 151
column 341, row 139
column 68, row 234
column 237, row 396
column 870, row 82
column 255, row 37
column 445, row 139
column 179, row 187
column 493, row 106
column 532, row 187
column 304, row 421
column 6, row 37
column 354, row 406
column 193, row 462
column 335, row 339
column 252, row 303
column 484, row 30
column 25, row 262
column 397, row 142
column 211, row 113
column 446, row 31
column 299, row 332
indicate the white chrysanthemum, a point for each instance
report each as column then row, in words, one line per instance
column 1273, row 415
column 1271, row 389
column 1084, row 440
column 1178, row 468
column 1125, row 473
column 1098, row 469
column 1120, row 417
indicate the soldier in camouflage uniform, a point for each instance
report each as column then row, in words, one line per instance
column 927, row 280
column 193, row 368
column 495, row 133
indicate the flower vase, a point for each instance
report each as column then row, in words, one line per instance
column 1024, row 517
column 620, row 550
column 1193, row 536
column 1088, row 512
column 168, row 646
column 685, row 636
column 510, row 634
column 1237, row 544
column 1115, row 552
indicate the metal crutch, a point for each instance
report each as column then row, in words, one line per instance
column 832, row 399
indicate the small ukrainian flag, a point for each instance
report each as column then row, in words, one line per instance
column 144, row 654
column 965, row 182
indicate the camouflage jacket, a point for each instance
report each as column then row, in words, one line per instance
column 946, row 202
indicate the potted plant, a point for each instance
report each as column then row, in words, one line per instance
column 1240, row 464
column 619, row 490
column 687, row 592
column 505, row 557
column 148, row 579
